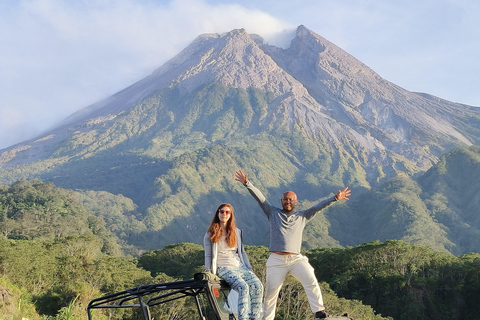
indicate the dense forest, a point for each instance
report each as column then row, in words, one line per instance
column 56, row 255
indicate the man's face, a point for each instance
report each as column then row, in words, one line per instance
column 289, row 201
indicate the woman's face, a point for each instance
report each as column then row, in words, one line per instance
column 224, row 214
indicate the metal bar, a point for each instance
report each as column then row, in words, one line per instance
column 182, row 292
column 145, row 310
column 177, row 290
column 199, row 307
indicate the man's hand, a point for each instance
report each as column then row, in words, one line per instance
column 241, row 177
column 343, row 194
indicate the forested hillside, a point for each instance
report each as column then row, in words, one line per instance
column 374, row 281
column 36, row 210
column 438, row 209
column 46, row 278
column 63, row 256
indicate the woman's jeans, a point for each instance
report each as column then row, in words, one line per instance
column 249, row 288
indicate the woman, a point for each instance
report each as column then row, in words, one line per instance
column 225, row 256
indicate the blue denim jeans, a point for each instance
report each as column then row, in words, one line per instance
column 249, row 289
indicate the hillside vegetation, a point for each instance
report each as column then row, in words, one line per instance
column 438, row 209
column 374, row 281
column 49, row 271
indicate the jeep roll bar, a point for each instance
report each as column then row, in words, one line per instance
column 147, row 296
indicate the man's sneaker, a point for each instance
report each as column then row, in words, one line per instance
column 320, row 315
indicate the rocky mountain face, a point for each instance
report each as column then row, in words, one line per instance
column 310, row 116
column 313, row 84
column 386, row 116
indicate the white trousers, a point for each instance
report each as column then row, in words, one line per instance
column 278, row 267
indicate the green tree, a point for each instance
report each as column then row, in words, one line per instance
column 179, row 260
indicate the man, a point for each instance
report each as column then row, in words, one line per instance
column 286, row 229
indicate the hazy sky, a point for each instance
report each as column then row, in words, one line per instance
column 57, row 57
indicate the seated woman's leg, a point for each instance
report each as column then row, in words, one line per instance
column 233, row 276
column 256, row 293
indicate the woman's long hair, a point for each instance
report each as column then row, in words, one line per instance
column 215, row 229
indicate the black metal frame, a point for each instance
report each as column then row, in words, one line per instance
column 134, row 298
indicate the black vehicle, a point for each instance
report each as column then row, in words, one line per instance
column 205, row 297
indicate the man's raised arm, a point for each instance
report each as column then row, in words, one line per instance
column 241, row 177
column 257, row 194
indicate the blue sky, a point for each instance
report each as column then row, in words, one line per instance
column 58, row 56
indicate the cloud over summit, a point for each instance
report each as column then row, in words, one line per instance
column 59, row 56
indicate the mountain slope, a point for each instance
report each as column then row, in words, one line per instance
column 438, row 208
column 452, row 193
column 312, row 84
column 309, row 118
column 355, row 95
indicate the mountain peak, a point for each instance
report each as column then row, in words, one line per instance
column 312, row 85
column 234, row 59
column 303, row 31
column 357, row 96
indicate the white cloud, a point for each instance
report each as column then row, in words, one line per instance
column 59, row 56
